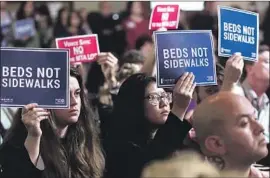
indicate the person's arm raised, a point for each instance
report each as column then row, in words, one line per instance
column 182, row 94
column 232, row 73
column 31, row 117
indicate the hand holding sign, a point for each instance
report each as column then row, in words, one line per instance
column 107, row 59
column 108, row 64
column 182, row 94
column 31, row 118
column 233, row 71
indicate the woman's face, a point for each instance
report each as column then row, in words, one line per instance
column 157, row 104
column 29, row 8
column 65, row 117
column 136, row 8
column 75, row 20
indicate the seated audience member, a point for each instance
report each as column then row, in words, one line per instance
column 60, row 143
column 25, row 11
column 228, row 79
column 229, row 134
column 74, row 25
column 183, row 164
column 61, row 22
column 255, row 86
column 130, row 64
column 144, row 44
column 143, row 128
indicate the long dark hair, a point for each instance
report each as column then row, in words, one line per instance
column 21, row 14
column 129, row 122
column 79, row 155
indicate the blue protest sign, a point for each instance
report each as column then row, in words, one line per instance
column 238, row 32
column 24, row 28
column 35, row 76
column 185, row 51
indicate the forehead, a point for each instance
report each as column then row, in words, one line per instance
column 239, row 108
column 73, row 84
column 152, row 88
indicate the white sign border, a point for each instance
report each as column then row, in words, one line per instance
column 67, row 106
column 156, row 33
column 219, row 32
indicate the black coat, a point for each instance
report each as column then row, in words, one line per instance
column 125, row 159
column 15, row 163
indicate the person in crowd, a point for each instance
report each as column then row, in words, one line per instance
column 229, row 134
column 62, row 143
column 135, row 24
column 6, row 23
column 96, row 77
column 25, row 11
column 85, row 26
column 107, row 26
column 143, row 128
column 45, row 26
column 144, row 44
column 61, row 22
column 74, row 25
column 254, row 87
column 130, row 64
column 207, row 19
column 182, row 164
column 228, row 79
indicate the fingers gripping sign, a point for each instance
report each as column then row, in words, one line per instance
column 31, row 118
column 182, row 94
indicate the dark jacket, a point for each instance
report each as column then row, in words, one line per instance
column 126, row 159
column 15, row 162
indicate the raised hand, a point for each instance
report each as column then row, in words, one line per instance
column 31, row 118
column 233, row 71
column 182, row 94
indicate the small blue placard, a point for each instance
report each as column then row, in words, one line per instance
column 185, row 51
column 238, row 32
column 24, row 28
column 35, row 76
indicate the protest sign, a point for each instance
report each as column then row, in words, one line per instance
column 185, row 51
column 83, row 48
column 35, row 76
column 24, row 28
column 164, row 16
column 238, row 32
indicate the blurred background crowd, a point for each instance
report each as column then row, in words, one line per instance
column 122, row 29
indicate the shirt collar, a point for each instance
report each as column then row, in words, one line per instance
column 251, row 94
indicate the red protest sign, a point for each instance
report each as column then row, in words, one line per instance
column 83, row 48
column 164, row 16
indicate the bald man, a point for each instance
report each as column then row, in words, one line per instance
column 229, row 134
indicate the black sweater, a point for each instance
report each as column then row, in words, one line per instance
column 125, row 159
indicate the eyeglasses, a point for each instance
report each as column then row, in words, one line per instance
column 155, row 98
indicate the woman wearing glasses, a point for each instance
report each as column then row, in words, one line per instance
column 143, row 126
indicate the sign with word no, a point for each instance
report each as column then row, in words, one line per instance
column 83, row 48
column 165, row 16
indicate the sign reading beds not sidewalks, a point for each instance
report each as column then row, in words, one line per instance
column 238, row 32
column 35, row 76
column 185, row 51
